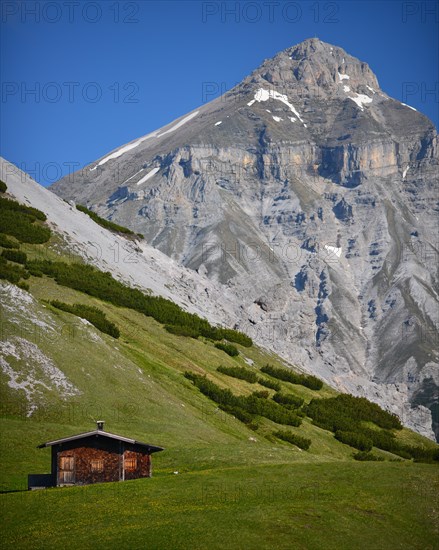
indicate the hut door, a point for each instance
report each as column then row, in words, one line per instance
column 66, row 470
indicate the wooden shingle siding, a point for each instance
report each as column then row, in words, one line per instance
column 97, row 457
column 98, row 461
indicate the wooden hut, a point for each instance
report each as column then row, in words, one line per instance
column 95, row 457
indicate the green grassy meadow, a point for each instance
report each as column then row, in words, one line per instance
column 235, row 487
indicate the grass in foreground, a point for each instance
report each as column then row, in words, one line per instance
column 302, row 506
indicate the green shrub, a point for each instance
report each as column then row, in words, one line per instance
column 21, row 226
column 12, row 273
column 251, row 404
column 33, row 271
column 345, row 411
column 182, row 331
column 89, row 280
column 11, row 205
column 16, row 256
column 93, row 315
column 273, row 385
column 3, row 186
column 287, row 375
column 23, row 285
column 105, row 223
column 261, row 394
column 297, row 440
column 356, row 440
column 239, row 372
column 366, row 456
column 230, row 349
column 288, row 399
column 238, row 413
column 7, row 243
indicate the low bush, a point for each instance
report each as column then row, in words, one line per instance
column 93, row 315
column 288, row 399
column 364, row 456
column 22, row 226
column 12, row 273
column 89, row 280
column 16, row 256
column 7, row 243
column 182, row 331
column 346, row 411
column 272, row 384
column 251, row 404
column 356, row 440
column 3, row 186
column 239, row 372
column 238, row 413
column 105, row 223
column 261, row 394
column 23, row 285
column 297, row 440
column 309, row 381
column 11, row 205
column 230, row 349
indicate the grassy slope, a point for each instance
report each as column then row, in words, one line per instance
column 308, row 506
column 231, row 491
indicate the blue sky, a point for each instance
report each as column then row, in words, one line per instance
column 81, row 78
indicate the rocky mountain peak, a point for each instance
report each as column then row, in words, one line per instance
column 308, row 193
column 317, row 68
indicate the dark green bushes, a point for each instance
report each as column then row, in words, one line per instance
column 94, row 315
column 356, row 440
column 9, row 204
column 238, row 413
column 228, row 348
column 345, row 411
column 89, row 280
column 262, row 394
column 106, row 223
column 3, row 186
column 366, row 456
column 7, row 243
column 288, row 399
column 23, row 285
column 12, row 273
column 239, row 372
column 270, row 384
column 182, row 331
column 345, row 416
column 15, row 256
column 18, row 221
column 297, row 440
column 251, row 404
column 233, row 336
column 308, row 381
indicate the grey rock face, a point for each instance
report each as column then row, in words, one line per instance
column 312, row 196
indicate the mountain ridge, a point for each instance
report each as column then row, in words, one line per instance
column 317, row 191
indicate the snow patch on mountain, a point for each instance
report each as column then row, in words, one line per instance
column 149, row 175
column 264, row 95
column 342, row 77
column 405, row 105
column 361, row 100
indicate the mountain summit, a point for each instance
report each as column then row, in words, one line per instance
column 310, row 195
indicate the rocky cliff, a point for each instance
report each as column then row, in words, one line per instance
column 311, row 196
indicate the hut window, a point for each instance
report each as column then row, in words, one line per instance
column 130, row 464
column 66, row 463
column 97, row 465
column 66, row 472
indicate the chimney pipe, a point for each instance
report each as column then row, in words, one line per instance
column 100, row 424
